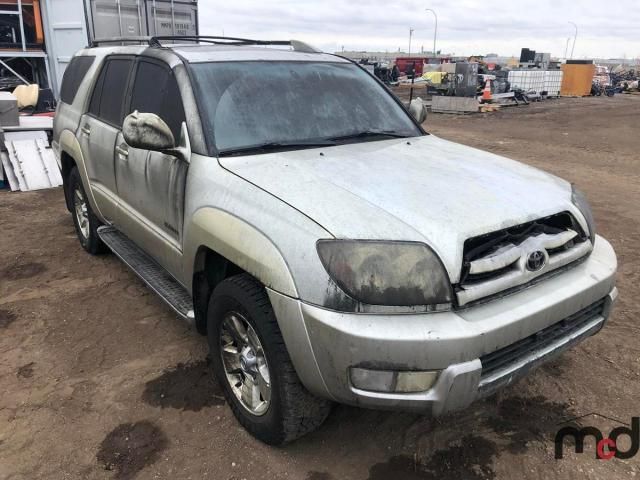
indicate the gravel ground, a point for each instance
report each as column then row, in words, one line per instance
column 100, row 380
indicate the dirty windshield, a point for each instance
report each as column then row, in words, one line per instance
column 253, row 107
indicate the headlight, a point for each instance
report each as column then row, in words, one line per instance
column 580, row 201
column 386, row 272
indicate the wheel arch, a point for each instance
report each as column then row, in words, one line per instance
column 70, row 156
column 222, row 245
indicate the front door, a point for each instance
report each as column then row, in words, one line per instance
column 151, row 185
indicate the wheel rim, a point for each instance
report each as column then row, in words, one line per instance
column 82, row 214
column 245, row 364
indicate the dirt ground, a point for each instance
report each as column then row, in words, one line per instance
column 99, row 380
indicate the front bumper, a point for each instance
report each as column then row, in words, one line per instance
column 324, row 345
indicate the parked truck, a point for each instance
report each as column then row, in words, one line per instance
column 39, row 37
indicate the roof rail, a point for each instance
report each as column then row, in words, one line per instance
column 156, row 41
column 101, row 41
column 297, row 45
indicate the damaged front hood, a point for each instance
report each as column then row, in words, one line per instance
column 422, row 189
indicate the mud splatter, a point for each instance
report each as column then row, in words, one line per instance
column 556, row 368
column 25, row 270
column 313, row 475
column 470, row 459
column 400, row 466
column 188, row 386
column 130, row 447
column 6, row 318
column 520, row 420
column 25, row 371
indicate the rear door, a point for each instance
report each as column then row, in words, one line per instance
column 99, row 129
column 151, row 185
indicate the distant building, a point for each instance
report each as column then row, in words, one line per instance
column 386, row 56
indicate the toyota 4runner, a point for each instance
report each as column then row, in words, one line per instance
column 331, row 250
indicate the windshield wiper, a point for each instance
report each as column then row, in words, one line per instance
column 372, row 133
column 270, row 146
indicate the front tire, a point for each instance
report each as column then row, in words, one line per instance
column 85, row 221
column 251, row 361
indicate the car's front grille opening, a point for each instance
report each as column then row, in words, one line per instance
column 510, row 354
column 497, row 261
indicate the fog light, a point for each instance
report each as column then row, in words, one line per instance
column 392, row 381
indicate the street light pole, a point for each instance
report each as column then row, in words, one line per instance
column 575, row 37
column 410, row 35
column 566, row 48
column 435, row 30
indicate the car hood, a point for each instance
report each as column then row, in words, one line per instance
column 422, row 189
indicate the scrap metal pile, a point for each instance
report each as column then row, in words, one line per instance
column 625, row 80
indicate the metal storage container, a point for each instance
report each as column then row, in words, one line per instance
column 62, row 27
column 122, row 18
column 168, row 17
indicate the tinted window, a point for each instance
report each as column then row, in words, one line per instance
column 155, row 90
column 73, row 76
column 94, row 106
column 107, row 101
column 254, row 103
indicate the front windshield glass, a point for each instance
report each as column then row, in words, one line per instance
column 253, row 104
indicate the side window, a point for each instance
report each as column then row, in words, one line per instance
column 155, row 90
column 107, row 101
column 73, row 76
column 94, row 106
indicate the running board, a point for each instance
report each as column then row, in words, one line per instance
column 155, row 276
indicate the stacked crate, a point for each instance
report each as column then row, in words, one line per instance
column 537, row 80
column 553, row 82
column 527, row 80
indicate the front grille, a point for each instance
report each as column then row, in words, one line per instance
column 483, row 245
column 510, row 354
column 498, row 261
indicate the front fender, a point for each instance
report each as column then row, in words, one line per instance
column 239, row 242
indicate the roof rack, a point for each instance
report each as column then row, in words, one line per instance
column 297, row 45
column 101, row 41
column 156, row 41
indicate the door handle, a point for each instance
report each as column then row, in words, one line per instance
column 86, row 129
column 122, row 150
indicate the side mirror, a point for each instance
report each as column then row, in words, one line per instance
column 147, row 131
column 418, row 109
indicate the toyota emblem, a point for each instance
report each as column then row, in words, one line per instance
column 535, row 261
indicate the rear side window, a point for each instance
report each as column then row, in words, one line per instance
column 73, row 76
column 155, row 90
column 107, row 101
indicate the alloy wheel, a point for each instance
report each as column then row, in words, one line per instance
column 245, row 364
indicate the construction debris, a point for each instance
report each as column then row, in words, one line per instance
column 28, row 161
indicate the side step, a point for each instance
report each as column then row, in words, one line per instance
column 155, row 276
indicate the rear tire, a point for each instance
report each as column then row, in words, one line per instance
column 286, row 410
column 85, row 221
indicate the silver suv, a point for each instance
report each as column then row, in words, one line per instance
column 330, row 249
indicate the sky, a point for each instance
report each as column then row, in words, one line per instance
column 606, row 29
